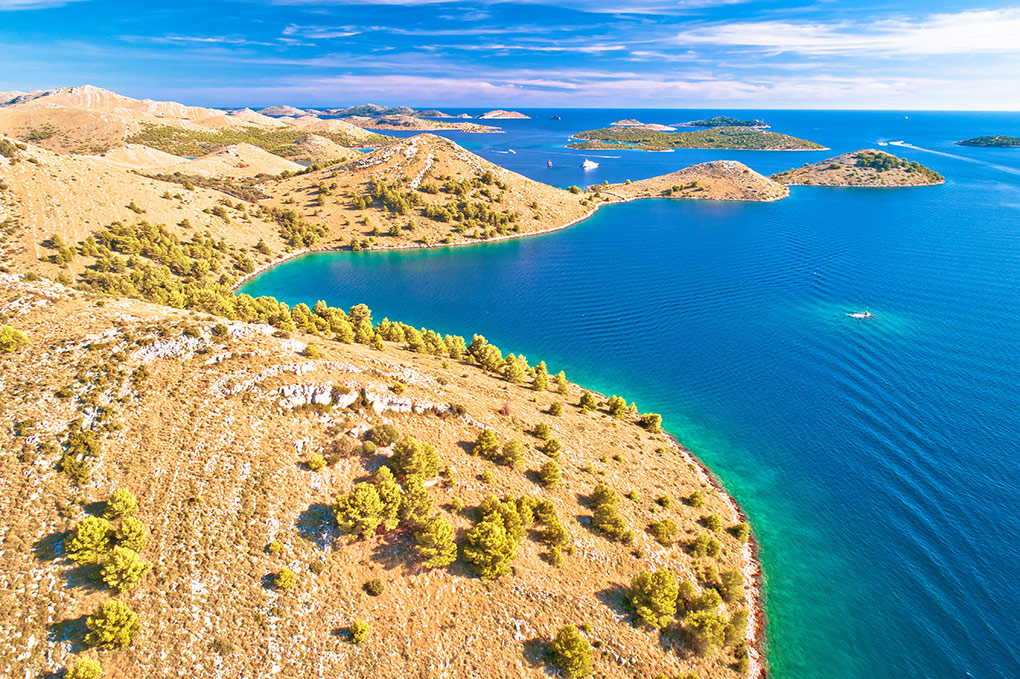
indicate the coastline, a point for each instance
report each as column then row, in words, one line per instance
column 752, row 570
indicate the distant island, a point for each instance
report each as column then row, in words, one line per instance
column 638, row 125
column 724, row 121
column 739, row 138
column 867, row 167
column 715, row 180
column 995, row 140
column 500, row 114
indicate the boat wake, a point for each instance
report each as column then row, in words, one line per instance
column 976, row 161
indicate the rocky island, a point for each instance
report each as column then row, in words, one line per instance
column 868, row 167
column 500, row 114
column 734, row 138
column 407, row 122
column 724, row 121
column 995, row 140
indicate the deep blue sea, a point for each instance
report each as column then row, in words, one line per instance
column 877, row 459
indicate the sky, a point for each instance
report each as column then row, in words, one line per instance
column 734, row 54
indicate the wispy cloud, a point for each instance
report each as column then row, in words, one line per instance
column 11, row 5
column 960, row 33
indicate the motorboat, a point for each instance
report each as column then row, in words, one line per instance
column 860, row 314
column 589, row 165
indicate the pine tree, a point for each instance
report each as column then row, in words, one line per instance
column 411, row 457
column 487, row 445
column 416, row 503
column 572, row 653
column 123, row 569
column 91, row 541
column 390, row 495
column 588, row 402
column 653, row 595
column 113, row 624
column 616, row 406
column 359, row 512
column 707, row 630
column 513, row 453
column 285, row 579
column 489, row 548
column 435, row 542
column 513, row 370
column 122, row 503
column 561, row 383
column 131, row 533
column 541, row 381
column 549, row 474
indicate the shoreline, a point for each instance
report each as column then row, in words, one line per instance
column 757, row 621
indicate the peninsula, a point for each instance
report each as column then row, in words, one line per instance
column 732, row 138
column 995, row 140
column 407, row 122
column 203, row 476
column 868, row 167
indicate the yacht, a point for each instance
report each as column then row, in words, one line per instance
column 589, row 165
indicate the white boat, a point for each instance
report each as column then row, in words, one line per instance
column 511, row 151
column 588, row 165
column 860, row 314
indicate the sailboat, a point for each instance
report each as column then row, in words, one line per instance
column 588, row 165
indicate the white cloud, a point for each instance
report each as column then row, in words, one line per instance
column 11, row 5
column 983, row 31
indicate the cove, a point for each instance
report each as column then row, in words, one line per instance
column 875, row 458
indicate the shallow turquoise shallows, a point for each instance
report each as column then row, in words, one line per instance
column 877, row 458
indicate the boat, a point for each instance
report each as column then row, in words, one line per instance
column 588, row 165
column 555, row 118
column 548, row 163
column 860, row 314
column 511, row 151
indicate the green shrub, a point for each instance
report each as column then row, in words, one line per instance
column 705, row 545
column 513, row 453
column 588, row 402
column 696, row 500
column 555, row 408
column 616, row 406
column 541, row 380
column 732, row 587
column 360, row 511
column 436, row 543
column 664, row 501
column 375, row 587
column 706, row 630
column 606, row 519
column 91, row 541
column 549, row 474
column 312, row 351
column 542, row 431
column 274, row 547
column 736, row 628
column 712, row 522
column 571, row 652
column 122, row 503
column 84, row 668
column 487, row 444
column 113, row 624
column 489, row 546
column 664, row 531
column 652, row 422
column 359, row 631
column 653, row 596
column 552, row 448
column 131, row 533
column 316, row 462
column 285, row 579
column 11, row 339
column 741, row 531
column 415, row 503
column 411, row 457
column 123, row 569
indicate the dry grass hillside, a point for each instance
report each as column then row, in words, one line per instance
column 868, row 167
column 716, row 180
column 236, row 439
column 44, row 193
column 421, row 190
column 235, row 162
column 406, row 122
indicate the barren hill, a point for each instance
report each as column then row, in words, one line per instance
column 236, row 442
column 716, row 180
column 868, row 167
column 281, row 111
column 313, row 148
column 500, row 114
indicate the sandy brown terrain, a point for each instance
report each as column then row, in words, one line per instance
column 848, row 170
column 215, row 441
column 716, row 180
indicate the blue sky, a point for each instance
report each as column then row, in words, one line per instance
column 587, row 53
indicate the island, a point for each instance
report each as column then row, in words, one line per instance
column 737, row 138
column 868, row 167
column 715, row 180
column 724, row 121
column 500, row 114
column 188, row 467
column 638, row 125
column 995, row 140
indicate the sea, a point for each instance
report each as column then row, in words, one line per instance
column 877, row 459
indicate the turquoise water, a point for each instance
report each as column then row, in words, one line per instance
column 877, row 459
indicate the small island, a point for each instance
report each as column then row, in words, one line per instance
column 500, row 114
column 413, row 123
column 992, row 141
column 724, row 121
column 867, row 167
column 733, row 138
column 715, row 180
